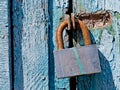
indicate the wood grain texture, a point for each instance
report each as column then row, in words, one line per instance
column 34, row 44
column 108, row 42
column 4, row 46
column 59, row 8
column 30, row 19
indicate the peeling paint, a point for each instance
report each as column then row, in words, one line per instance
column 108, row 41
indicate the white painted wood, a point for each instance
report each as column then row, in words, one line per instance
column 4, row 46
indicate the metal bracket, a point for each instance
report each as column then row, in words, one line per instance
column 95, row 20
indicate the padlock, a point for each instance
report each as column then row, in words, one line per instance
column 75, row 61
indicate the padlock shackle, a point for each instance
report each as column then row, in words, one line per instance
column 61, row 28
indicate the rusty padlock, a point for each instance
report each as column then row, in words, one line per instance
column 76, row 61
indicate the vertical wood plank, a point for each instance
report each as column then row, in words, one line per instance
column 59, row 7
column 30, row 19
column 4, row 46
column 108, row 42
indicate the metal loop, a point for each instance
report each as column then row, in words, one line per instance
column 61, row 28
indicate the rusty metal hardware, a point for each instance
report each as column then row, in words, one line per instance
column 95, row 20
column 64, row 24
column 77, row 60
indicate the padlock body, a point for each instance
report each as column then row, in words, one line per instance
column 77, row 61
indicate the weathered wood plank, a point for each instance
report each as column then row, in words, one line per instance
column 31, row 39
column 30, row 19
column 108, row 42
column 59, row 7
column 4, row 46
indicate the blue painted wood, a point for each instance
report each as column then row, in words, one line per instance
column 35, row 23
column 30, row 21
column 59, row 8
column 108, row 43
column 4, row 46
column 17, row 34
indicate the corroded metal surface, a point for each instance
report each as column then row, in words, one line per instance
column 98, row 19
column 61, row 28
column 77, row 61
column 72, row 62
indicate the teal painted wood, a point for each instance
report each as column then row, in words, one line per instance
column 30, row 21
column 34, row 44
column 59, row 8
column 4, row 46
column 17, row 18
column 108, row 41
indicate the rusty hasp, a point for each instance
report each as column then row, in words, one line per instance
column 75, row 61
column 95, row 20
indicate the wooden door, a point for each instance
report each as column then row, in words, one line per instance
column 108, row 41
column 29, row 65
column 5, row 54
